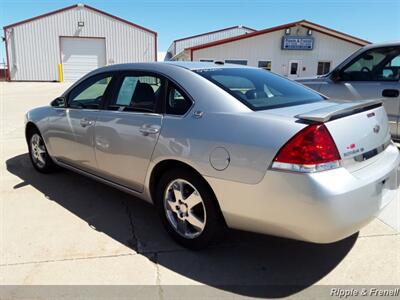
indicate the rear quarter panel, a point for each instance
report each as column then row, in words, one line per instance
column 252, row 141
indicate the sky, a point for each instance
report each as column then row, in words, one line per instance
column 373, row 20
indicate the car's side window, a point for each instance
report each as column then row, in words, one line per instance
column 375, row 65
column 89, row 94
column 391, row 71
column 177, row 102
column 137, row 93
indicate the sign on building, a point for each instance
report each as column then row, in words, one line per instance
column 297, row 43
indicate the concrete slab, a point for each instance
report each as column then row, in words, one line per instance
column 391, row 214
column 372, row 261
column 251, row 259
column 120, row 269
column 51, row 222
column 377, row 228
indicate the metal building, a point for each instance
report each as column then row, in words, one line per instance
column 296, row 49
column 177, row 47
column 72, row 41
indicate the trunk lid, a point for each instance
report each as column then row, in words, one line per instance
column 361, row 133
column 359, row 129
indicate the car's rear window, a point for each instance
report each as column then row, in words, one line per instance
column 260, row 89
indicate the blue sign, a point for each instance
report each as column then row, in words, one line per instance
column 297, row 43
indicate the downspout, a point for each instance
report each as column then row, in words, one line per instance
column 7, row 56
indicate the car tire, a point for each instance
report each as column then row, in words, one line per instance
column 192, row 225
column 38, row 153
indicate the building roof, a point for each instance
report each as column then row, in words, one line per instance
column 76, row 6
column 303, row 23
column 215, row 31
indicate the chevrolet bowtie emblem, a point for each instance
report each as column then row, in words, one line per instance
column 377, row 128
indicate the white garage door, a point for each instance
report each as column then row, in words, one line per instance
column 81, row 55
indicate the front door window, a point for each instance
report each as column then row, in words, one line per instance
column 90, row 93
column 382, row 64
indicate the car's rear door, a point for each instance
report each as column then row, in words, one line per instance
column 373, row 74
column 71, row 128
column 127, row 130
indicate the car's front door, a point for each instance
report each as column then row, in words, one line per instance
column 71, row 129
column 127, row 130
column 373, row 74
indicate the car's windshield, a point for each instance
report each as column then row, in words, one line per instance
column 259, row 89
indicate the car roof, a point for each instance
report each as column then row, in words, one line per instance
column 199, row 65
column 381, row 45
column 166, row 68
column 158, row 66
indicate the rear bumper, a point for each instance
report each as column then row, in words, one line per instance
column 321, row 207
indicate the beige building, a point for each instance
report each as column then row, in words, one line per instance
column 176, row 51
column 297, row 49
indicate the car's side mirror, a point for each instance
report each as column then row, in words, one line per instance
column 335, row 76
column 58, row 102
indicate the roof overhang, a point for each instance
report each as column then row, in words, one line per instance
column 215, row 31
column 303, row 23
column 78, row 6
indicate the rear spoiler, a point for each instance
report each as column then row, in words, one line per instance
column 339, row 109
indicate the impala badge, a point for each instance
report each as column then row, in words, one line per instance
column 377, row 128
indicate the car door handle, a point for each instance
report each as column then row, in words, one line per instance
column 391, row 93
column 146, row 130
column 85, row 122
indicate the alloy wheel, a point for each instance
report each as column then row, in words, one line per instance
column 184, row 208
column 38, row 151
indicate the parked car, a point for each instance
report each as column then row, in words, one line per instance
column 213, row 145
column 370, row 73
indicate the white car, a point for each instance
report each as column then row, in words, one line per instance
column 370, row 73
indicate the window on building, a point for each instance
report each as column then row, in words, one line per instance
column 323, row 67
column 206, row 60
column 265, row 64
column 294, row 66
column 236, row 61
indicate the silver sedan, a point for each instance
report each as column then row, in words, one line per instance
column 214, row 145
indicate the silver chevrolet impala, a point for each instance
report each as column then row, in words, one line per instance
column 214, row 145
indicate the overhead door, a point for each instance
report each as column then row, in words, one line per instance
column 81, row 55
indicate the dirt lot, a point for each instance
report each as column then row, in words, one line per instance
column 68, row 229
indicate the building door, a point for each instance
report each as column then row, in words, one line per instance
column 294, row 68
column 79, row 56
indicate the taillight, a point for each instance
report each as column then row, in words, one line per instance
column 312, row 149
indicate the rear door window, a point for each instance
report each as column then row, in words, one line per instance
column 139, row 93
column 178, row 103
